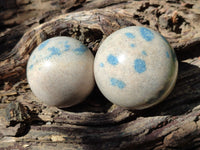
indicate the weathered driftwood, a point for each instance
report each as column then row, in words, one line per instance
column 97, row 124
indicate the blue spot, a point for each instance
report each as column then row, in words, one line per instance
column 33, row 57
column 54, row 51
column 140, row 65
column 144, row 53
column 130, row 35
column 164, row 39
column 173, row 54
column 146, row 34
column 43, row 44
column 101, row 64
column 115, row 82
column 67, row 46
column 80, row 50
column 132, row 45
column 167, row 54
column 112, row 60
column 30, row 67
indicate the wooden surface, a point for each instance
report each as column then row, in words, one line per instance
column 25, row 123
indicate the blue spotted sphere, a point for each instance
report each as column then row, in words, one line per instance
column 135, row 67
column 60, row 71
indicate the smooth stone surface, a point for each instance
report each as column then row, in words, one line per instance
column 60, row 71
column 135, row 67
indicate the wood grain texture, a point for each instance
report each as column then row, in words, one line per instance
column 96, row 123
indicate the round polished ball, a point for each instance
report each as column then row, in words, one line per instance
column 135, row 67
column 60, row 71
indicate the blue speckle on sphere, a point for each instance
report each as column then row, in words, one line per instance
column 140, row 65
column 172, row 52
column 33, row 57
column 146, row 34
column 132, row 45
column 80, row 50
column 144, row 53
column 30, row 67
column 167, row 54
column 164, row 39
column 43, row 44
column 130, row 35
column 54, row 51
column 119, row 83
column 67, row 46
column 112, row 60
column 101, row 64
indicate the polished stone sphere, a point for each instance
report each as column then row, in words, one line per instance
column 60, row 71
column 135, row 67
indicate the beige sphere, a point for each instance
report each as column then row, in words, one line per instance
column 60, row 71
column 135, row 67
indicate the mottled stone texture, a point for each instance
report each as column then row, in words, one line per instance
column 96, row 123
column 135, row 67
column 60, row 72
